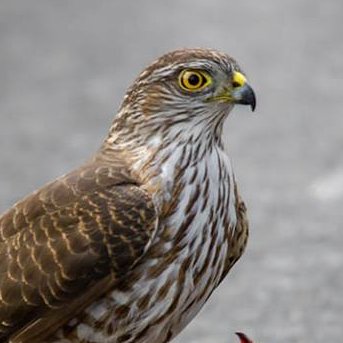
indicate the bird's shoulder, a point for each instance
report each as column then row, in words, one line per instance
column 81, row 187
column 87, row 228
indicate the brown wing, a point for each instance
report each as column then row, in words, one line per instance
column 76, row 236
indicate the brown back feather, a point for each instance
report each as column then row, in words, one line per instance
column 74, row 237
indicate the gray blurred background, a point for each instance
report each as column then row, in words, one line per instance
column 65, row 66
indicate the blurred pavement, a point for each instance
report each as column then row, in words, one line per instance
column 64, row 68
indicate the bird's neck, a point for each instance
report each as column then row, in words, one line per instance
column 159, row 156
column 164, row 167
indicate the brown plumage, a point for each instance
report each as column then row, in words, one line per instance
column 128, row 247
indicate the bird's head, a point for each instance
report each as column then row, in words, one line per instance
column 190, row 90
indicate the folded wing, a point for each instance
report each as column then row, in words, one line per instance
column 64, row 246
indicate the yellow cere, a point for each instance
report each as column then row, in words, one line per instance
column 238, row 79
column 194, row 80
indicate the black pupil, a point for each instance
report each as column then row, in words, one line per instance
column 194, row 80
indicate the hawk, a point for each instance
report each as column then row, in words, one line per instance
column 129, row 246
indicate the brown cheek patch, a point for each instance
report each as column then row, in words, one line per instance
column 154, row 100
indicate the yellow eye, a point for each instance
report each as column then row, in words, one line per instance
column 194, row 80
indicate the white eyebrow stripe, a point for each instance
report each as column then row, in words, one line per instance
column 197, row 64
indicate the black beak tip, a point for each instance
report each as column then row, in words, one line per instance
column 247, row 97
column 253, row 104
column 252, row 99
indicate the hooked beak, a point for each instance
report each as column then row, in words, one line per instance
column 242, row 92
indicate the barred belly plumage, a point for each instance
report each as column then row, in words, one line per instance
column 185, row 262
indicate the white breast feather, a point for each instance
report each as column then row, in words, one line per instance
column 145, row 284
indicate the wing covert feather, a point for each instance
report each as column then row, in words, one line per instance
column 65, row 239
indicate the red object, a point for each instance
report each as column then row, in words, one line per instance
column 243, row 337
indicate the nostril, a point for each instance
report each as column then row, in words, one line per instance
column 238, row 79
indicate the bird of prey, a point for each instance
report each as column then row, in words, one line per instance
column 129, row 246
